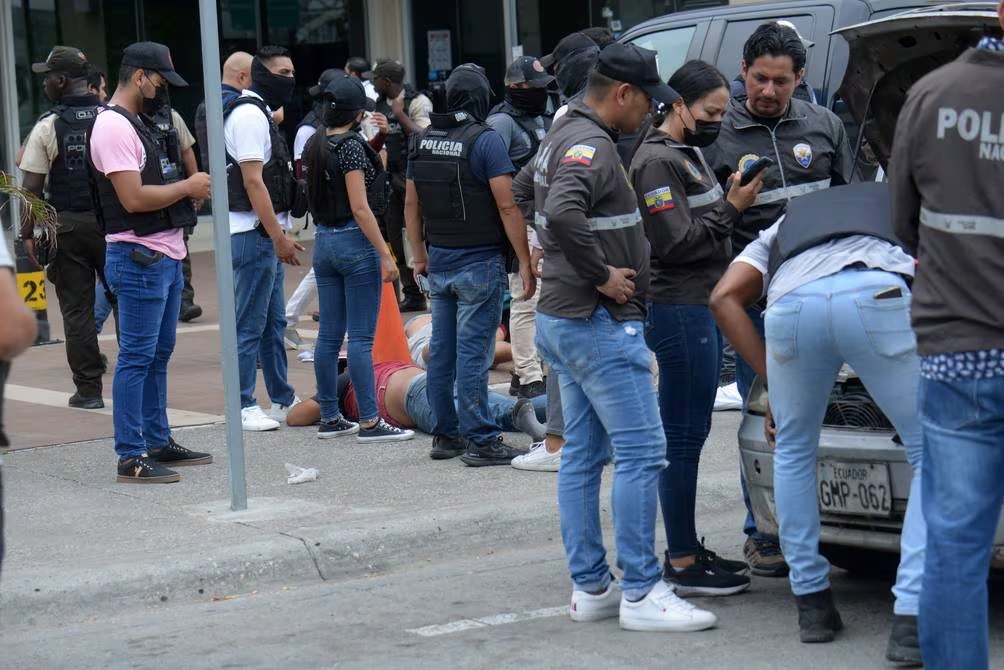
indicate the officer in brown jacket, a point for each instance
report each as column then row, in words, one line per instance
column 947, row 175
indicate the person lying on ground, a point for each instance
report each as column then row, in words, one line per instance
column 418, row 330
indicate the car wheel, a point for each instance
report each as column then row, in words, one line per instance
column 864, row 562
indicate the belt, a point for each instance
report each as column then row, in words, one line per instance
column 261, row 229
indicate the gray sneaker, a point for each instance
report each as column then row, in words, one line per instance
column 292, row 338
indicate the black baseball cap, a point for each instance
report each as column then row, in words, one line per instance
column 346, row 93
column 527, row 70
column 326, row 78
column 357, row 65
column 391, row 69
column 70, row 61
column 633, row 65
column 154, row 57
column 567, row 45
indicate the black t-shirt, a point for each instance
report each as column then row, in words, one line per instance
column 351, row 155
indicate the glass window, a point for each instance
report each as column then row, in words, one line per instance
column 672, row 47
column 730, row 56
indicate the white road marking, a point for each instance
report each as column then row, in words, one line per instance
column 37, row 396
column 210, row 327
column 483, row 622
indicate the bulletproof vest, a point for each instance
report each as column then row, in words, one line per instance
column 396, row 141
column 310, row 120
column 166, row 136
column 458, row 210
column 69, row 179
column 527, row 124
column 337, row 210
column 156, row 172
column 202, row 135
column 863, row 208
column 277, row 172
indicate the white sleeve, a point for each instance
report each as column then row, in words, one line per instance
column 757, row 252
column 5, row 259
column 303, row 135
column 246, row 134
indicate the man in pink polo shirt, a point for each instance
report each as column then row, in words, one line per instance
column 142, row 206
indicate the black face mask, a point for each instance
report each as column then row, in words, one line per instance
column 275, row 89
column 704, row 134
column 154, row 107
column 530, row 101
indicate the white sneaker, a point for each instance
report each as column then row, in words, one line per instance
column 587, row 607
column 279, row 412
column 254, row 419
column 664, row 611
column 538, row 459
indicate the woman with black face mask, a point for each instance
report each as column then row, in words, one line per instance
column 688, row 220
column 345, row 183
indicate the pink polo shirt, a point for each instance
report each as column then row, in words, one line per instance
column 116, row 147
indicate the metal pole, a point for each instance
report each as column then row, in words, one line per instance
column 221, row 240
column 9, row 124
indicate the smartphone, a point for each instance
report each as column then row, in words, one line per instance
column 889, row 293
column 423, row 283
column 758, row 166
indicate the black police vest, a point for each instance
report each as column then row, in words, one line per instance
column 277, row 172
column 113, row 216
column 396, row 142
column 458, row 210
column 527, row 124
column 337, row 208
column 863, row 208
column 166, row 135
column 202, row 135
column 69, row 178
column 311, row 120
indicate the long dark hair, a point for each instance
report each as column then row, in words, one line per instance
column 315, row 157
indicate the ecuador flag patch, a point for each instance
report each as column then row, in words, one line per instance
column 580, row 153
column 659, row 200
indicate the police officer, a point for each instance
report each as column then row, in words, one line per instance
column 460, row 175
column 808, row 145
column 144, row 206
column 946, row 176
column 56, row 149
column 407, row 112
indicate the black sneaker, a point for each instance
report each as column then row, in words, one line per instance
column 765, row 558
column 189, row 312
column 412, row 304
column 728, row 565
column 818, row 619
column 904, row 642
column 532, row 390
column 83, row 402
column 445, row 448
column 175, row 454
column 145, row 470
column 514, row 385
column 704, row 578
column 382, row 431
column 337, row 428
column 496, row 453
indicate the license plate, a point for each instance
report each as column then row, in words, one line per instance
column 853, row 487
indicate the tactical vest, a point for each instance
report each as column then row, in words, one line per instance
column 166, row 135
column 69, row 178
column 396, row 141
column 337, row 210
column 863, row 208
column 156, row 172
column 277, row 172
column 310, row 120
column 458, row 210
column 202, row 135
column 526, row 123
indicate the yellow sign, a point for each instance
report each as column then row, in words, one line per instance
column 32, row 288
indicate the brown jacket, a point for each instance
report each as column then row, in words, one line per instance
column 947, row 178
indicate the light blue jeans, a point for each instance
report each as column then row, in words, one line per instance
column 610, row 405
column 811, row 333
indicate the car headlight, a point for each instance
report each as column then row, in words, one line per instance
column 757, row 401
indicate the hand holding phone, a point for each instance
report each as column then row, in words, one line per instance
column 755, row 168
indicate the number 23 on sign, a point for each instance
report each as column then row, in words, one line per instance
column 32, row 288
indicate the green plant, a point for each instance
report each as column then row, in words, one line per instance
column 33, row 207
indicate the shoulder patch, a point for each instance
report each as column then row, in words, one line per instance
column 746, row 161
column 803, row 154
column 659, row 200
column 580, row 153
column 694, row 172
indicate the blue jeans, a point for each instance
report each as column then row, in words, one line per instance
column 261, row 317
column 149, row 298
column 811, row 332
column 610, row 406
column 349, row 286
column 963, row 423
column 102, row 308
column 687, row 345
column 466, row 310
column 416, row 403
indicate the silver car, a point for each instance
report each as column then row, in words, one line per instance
column 863, row 478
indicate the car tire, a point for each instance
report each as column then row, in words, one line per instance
column 864, row 562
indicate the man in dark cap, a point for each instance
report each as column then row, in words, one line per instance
column 590, row 328
column 55, row 152
column 460, row 187
column 144, row 205
column 407, row 112
column 358, row 68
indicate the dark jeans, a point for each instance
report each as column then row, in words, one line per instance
column 347, row 268
column 81, row 253
column 466, row 310
column 187, row 290
column 687, row 345
column 393, row 220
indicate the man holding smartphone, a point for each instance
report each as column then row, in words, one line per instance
column 144, row 206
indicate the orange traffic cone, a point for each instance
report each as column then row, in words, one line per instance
column 389, row 343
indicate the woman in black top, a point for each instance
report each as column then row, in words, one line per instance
column 351, row 258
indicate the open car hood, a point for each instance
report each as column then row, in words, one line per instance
column 888, row 55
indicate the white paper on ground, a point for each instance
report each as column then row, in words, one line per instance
column 297, row 475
